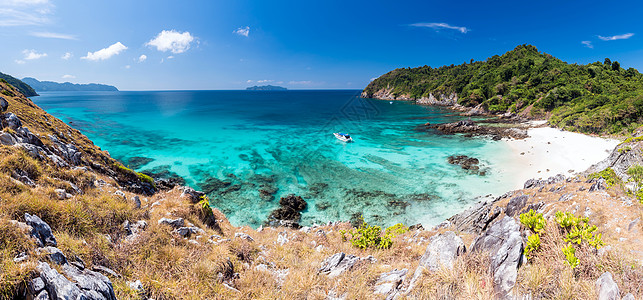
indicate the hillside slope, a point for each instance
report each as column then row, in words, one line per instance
column 593, row 98
column 24, row 88
column 75, row 223
column 50, row 86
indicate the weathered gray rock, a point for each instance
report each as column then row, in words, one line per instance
column 441, row 252
column 93, row 284
column 4, row 105
column 137, row 201
column 337, row 264
column 515, row 205
column 186, row 232
column 629, row 296
column 120, row 194
column 390, row 282
column 7, row 139
column 504, row 244
column 62, row 194
column 244, row 236
column 607, row 288
column 36, row 285
column 477, row 218
column 55, row 255
column 105, row 271
column 176, row 223
column 620, row 161
column 42, row 296
column 10, row 120
column 41, row 231
column 57, row 285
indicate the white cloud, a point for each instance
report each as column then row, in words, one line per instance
column 67, row 76
column 32, row 54
column 373, row 78
column 244, row 31
column 249, row 81
column 24, row 12
column 127, row 66
column 66, row 56
column 20, row 61
column 616, row 37
column 105, row 53
column 170, row 57
column 53, row 35
column 264, row 81
column 438, row 26
column 588, row 44
column 302, row 82
column 170, row 40
column 142, row 58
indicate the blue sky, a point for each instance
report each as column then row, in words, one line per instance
column 212, row 44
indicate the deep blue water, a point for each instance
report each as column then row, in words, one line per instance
column 282, row 140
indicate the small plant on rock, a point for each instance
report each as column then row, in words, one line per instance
column 570, row 255
column 532, row 220
column 533, row 244
column 608, row 174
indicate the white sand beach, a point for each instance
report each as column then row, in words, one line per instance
column 550, row 151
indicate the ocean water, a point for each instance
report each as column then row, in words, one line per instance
column 234, row 144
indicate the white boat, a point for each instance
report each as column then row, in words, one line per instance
column 343, row 137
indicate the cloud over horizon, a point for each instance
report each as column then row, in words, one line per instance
column 171, row 40
column 438, row 26
column 243, row 31
column 53, row 35
column 105, row 53
column 616, row 37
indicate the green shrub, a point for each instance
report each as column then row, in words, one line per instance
column 370, row 236
column 577, row 229
column 636, row 175
column 532, row 220
column 608, row 174
column 533, row 244
column 567, row 220
column 570, row 255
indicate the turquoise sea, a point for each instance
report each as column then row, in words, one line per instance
column 236, row 143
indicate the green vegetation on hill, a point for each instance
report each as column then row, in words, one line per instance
column 46, row 86
column 600, row 97
column 24, row 88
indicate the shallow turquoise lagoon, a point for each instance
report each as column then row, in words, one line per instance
column 236, row 143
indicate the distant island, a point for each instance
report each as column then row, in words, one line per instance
column 24, row 88
column 50, row 86
column 266, row 88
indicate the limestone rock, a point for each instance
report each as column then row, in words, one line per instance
column 244, row 236
column 7, row 139
column 176, row 223
column 477, row 218
column 4, row 105
column 55, row 255
column 442, row 251
column 607, row 288
column 57, row 285
column 504, row 244
column 389, row 283
column 515, row 205
column 10, row 120
column 41, row 231
column 337, row 264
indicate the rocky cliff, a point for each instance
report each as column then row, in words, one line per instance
column 76, row 224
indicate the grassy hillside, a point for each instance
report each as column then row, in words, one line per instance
column 601, row 97
column 24, row 88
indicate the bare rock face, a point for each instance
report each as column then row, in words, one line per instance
column 607, row 288
column 4, row 105
column 442, row 251
column 515, row 205
column 620, row 160
column 504, row 244
column 477, row 218
column 337, row 264
column 389, row 283
column 41, row 231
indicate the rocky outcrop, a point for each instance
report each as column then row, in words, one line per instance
column 607, row 288
column 431, row 99
column 389, row 283
column 442, row 251
column 515, row 205
column 470, row 164
column 441, row 100
column 3, row 104
column 503, row 242
column 339, row 263
column 40, row 231
column 471, row 128
column 477, row 218
column 289, row 212
column 621, row 159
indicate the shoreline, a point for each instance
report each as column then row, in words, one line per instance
column 550, row 151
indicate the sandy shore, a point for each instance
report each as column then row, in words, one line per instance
column 549, row 151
